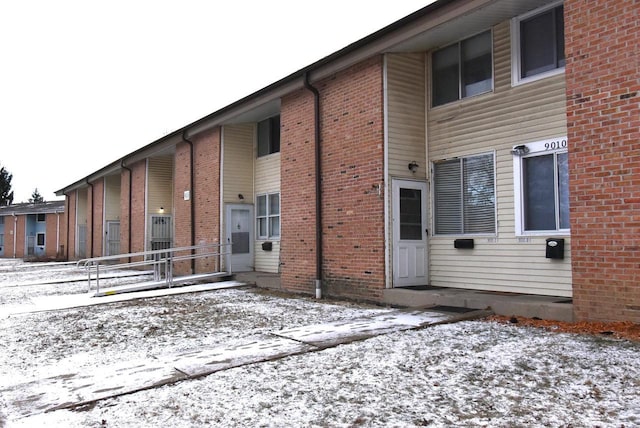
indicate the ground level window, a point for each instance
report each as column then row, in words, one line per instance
column 268, row 216
column 542, row 183
column 464, row 195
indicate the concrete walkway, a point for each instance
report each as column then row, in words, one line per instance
column 73, row 390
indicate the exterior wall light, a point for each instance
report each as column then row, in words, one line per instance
column 520, row 150
column 413, row 166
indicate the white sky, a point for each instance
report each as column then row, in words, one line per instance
column 83, row 83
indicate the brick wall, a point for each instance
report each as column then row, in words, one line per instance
column 603, row 118
column 70, row 210
column 207, row 192
column 352, row 163
column 54, row 234
column 138, row 199
column 95, row 219
column 125, row 177
column 182, row 208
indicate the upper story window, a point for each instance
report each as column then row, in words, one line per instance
column 40, row 218
column 1, row 220
column 464, row 195
column 538, row 44
column 462, row 70
column 541, row 177
column 269, row 136
column 268, row 216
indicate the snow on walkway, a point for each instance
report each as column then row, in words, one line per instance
column 72, row 390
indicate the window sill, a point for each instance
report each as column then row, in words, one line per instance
column 515, row 81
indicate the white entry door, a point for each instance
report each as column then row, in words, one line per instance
column 409, row 233
column 113, row 238
column 239, row 225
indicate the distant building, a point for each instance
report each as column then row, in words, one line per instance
column 488, row 145
column 33, row 230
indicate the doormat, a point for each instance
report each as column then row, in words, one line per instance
column 420, row 287
column 454, row 309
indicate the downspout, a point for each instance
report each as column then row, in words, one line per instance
column 316, row 120
column 91, row 239
column 57, row 234
column 191, row 198
column 129, row 206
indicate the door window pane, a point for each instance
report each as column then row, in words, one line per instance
column 411, row 214
column 563, row 189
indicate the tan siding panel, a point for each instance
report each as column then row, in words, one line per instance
column 406, row 114
column 112, row 198
column 267, row 181
column 496, row 122
column 238, row 163
column 160, row 184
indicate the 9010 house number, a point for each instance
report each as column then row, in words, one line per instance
column 553, row 145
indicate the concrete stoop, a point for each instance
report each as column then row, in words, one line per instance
column 76, row 390
column 508, row 304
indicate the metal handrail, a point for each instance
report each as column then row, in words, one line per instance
column 157, row 259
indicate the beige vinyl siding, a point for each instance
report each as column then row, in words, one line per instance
column 112, row 198
column 81, row 206
column 406, row 114
column 238, row 163
column 495, row 122
column 160, row 185
column 267, row 181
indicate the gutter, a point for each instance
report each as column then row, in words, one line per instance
column 318, row 167
column 129, row 206
column 191, row 197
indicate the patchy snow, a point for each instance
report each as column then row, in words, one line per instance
column 471, row 373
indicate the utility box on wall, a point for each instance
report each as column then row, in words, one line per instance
column 555, row 248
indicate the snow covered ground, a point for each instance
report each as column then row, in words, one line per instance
column 472, row 373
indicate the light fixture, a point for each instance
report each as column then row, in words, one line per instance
column 240, row 196
column 520, row 150
column 413, row 166
column 161, row 210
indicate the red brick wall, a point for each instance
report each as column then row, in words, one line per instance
column 54, row 234
column 603, row 118
column 351, row 105
column 95, row 219
column 20, row 238
column 207, row 192
column 182, row 208
column 297, row 193
column 9, row 233
column 70, row 210
column 125, row 177
column 138, row 198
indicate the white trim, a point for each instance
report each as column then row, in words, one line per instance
column 146, row 205
column 535, row 148
column 221, row 214
column 515, row 49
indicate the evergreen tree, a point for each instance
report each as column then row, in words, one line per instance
column 6, row 194
column 36, row 197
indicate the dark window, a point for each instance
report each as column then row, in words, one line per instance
column 40, row 217
column 464, row 195
column 40, row 239
column 462, row 70
column 545, row 182
column 269, row 136
column 542, row 42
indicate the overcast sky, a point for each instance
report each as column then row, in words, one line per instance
column 83, row 83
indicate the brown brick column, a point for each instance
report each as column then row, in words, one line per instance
column 603, row 119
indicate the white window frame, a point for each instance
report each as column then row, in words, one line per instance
column 515, row 48
column 44, row 239
column 459, row 43
column 495, row 198
column 269, row 215
column 537, row 148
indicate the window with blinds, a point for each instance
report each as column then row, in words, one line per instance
column 464, row 195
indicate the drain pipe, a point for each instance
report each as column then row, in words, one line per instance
column 129, row 205
column 316, row 120
column 191, row 198
column 92, row 207
column 68, row 211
